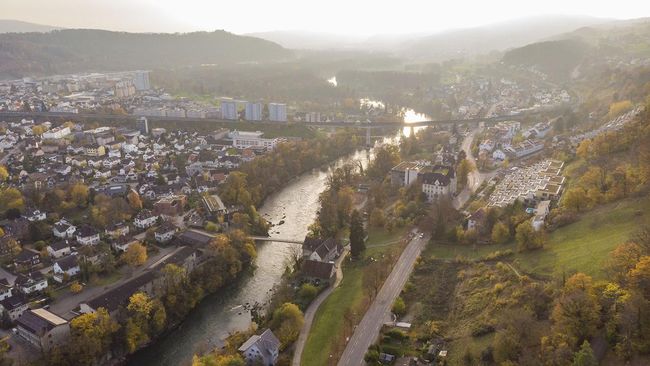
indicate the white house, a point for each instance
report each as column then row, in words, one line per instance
column 59, row 249
column 261, row 349
column 35, row 215
column 439, row 182
column 498, row 154
column 87, row 235
column 31, row 282
column 66, row 266
column 63, row 229
column 145, row 219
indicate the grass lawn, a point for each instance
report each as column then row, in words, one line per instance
column 584, row 245
column 106, row 280
column 329, row 319
column 452, row 251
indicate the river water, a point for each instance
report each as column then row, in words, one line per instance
column 219, row 314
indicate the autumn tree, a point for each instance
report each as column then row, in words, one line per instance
column 621, row 260
column 91, row 336
column 147, row 317
column 286, row 323
column 377, row 218
column 584, row 356
column 357, row 234
column 577, row 311
column 79, row 194
column 575, row 199
column 4, row 174
column 500, row 233
column 527, row 237
column 639, row 277
column 11, row 198
column 135, row 255
column 134, row 200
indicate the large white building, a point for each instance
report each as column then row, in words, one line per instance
column 56, row 133
column 246, row 139
column 141, row 80
column 229, row 110
column 253, row 111
column 277, row 112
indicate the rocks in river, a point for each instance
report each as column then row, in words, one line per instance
column 281, row 222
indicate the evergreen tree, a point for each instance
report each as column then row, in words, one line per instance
column 585, row 356
column 357, row 234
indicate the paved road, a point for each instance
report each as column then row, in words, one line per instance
column 311, row 312
column 366, row 333
column 475, row 178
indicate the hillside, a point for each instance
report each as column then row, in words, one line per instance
column 555, row 58
column 76, row 50
column 17, row 26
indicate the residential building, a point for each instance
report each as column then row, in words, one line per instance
column 261, row 349
column 318, row 271
column 66, row 267
column 173, row 205
column 63, row 229
column 142, row 125
column 253, row 111
column 117, row 230
column 27, row 258
column 278, row 112
column 322, row 250
column 165, row 232
column 439, row 182
column 141, row 80
column 87, row 235
column 5, row 289
column 43, row 329
column 59, row 249
column 35, row 215
column 229, row 110
column 145, row 219
column 406, row 173
column 31, row 282
column 15, row 306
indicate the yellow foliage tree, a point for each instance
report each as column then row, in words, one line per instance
column 135, row 255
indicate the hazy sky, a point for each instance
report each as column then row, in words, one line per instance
column 359, row 17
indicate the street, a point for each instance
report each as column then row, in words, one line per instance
column 474, row 178
column 366, row 332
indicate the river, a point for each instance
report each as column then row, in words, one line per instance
column 219, row 314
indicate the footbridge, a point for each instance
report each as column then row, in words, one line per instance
column 277, row 240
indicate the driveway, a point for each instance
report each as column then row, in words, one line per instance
column 366, row 333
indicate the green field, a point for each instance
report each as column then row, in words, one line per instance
column 584, row 245
column 329, row 320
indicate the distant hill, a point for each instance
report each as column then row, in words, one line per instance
column 495, row 37
column 555, row 58
column 78, row 50
column 310, row 40
column 17, row 26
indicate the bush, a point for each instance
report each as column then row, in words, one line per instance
column 399, row 307
column 397, row 334
column 482, row 329
column 307, row 292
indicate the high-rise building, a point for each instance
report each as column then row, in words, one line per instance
column 253, row 111
column 141, row 80
column 277, row 112
column 229, row 110
column 142, row 125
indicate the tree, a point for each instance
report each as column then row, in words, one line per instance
column 79, row 194
column 399, row 307
column 575, row 199
column 621, row 260
column 134, row 200
column 500, row 233
column 639, row 277
column 135, row 255
column 377, row 218
column 465, row 167
column 11, row 198
column 286, row 322
column 4, row 174
column 585, row 356
column 76, row 287
column 576, row 313
column 307, row 292
column 527, row 237
column 357, row 234
column 91, row 336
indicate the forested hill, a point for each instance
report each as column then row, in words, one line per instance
column 76, row 50
column 555, row 58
